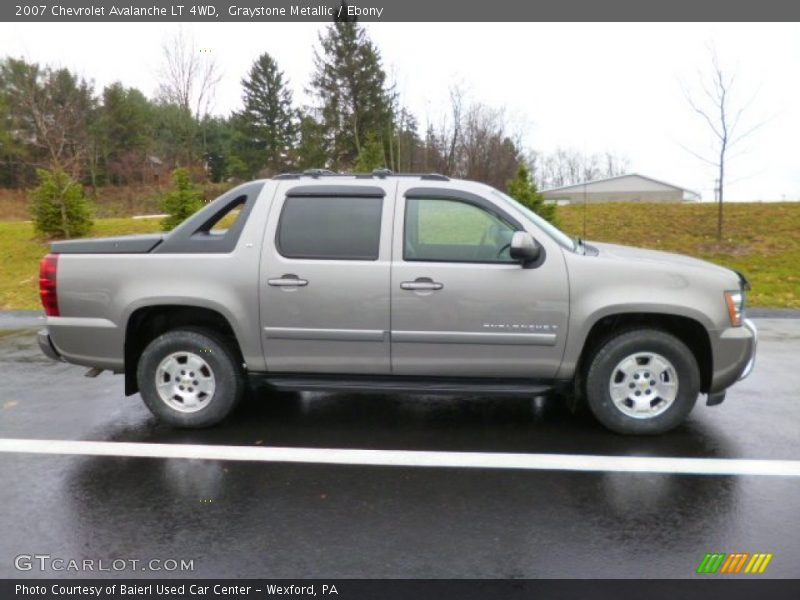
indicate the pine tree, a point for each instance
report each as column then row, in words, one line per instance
column 523, row 189
column 312, row 150
column 268, row 121
column 181, row 203
column 371, row 156
column 354, row 101
column 58, row 206
column 123, row 132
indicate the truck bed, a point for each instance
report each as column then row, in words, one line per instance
column 126, row 244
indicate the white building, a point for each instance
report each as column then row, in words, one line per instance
column 623, row 188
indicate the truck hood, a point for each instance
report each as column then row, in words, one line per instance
column 655, row 256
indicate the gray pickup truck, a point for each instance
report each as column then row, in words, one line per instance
column 396, row 284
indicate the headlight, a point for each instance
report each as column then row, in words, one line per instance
column 735, row 302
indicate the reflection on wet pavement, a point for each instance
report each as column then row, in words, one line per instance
column 291, row 520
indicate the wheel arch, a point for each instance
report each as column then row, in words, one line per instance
column 146, row 323
column 687, row 329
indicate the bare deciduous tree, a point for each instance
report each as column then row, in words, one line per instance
column 723, row 117
column 487, row 151
column 51, row 113
column 473, row 142
column 567, row 166
column 457, row 106
column 188, row 76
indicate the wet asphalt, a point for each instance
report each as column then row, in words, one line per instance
column 239, row 519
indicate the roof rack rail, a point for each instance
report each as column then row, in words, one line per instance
column 377, row 173
column 319, row 172
column 307, row 173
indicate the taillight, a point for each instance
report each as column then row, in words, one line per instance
column 47, row 284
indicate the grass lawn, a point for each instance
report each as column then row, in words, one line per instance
column 20, row 252
column 761, row 240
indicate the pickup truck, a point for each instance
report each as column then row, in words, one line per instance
column 394, row 284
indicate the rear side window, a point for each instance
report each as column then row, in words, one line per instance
column 227, row 219
column 330, row 228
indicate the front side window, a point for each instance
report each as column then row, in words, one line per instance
column 454, row 231
column 330, row 228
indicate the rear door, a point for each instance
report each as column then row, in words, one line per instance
column 460, row 305
column 325, row 277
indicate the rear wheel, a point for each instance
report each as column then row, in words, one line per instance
column 643, row 381
column 190, row 378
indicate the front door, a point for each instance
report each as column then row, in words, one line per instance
column 460, row 305
column 325, row 278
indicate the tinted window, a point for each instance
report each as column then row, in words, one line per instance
column 228, row 218
column 454, row 231
column 330, row 228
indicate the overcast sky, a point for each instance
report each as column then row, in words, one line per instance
column 592, row 87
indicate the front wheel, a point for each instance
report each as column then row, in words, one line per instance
column 643, row 381
column 190, row 378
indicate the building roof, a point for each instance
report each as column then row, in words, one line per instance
column 580, row 186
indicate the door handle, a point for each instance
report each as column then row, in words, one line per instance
column 421, row 283
column 288, row 280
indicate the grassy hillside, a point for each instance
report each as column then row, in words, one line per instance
column 762, row 240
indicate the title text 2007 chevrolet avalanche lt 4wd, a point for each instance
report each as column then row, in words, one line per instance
column 394, row 283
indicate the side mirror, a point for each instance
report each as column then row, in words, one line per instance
column 524, row 248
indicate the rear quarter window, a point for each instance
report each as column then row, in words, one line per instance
column 332, row 228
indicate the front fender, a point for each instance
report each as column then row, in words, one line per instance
column 581, row 327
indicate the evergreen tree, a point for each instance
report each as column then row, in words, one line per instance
column 181, row 203
column 523, row 189
column 371, row 156
column 124, row 132
column 177, row 136
column 58, row 206
column 223, row 144
column 312, row 150
column 11, row 150
column 349, row 83
column 267, row 121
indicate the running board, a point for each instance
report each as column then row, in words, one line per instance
column 399, row 384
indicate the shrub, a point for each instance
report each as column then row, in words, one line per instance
column 58, row 207
column 371, row 156
column 523, row 189
column 181, row 203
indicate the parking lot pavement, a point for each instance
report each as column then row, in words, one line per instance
column 261, row 519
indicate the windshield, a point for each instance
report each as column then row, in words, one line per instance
column 554, row 232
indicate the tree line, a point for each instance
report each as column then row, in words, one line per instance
column 58, row 134
column 53, row 119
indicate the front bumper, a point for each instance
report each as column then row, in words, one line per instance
column 734, row 355
column 752, row 360
column 46, row 345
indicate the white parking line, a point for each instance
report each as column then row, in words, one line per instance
column 412, row 458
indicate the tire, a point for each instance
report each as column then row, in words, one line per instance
column 624, row 400
column 190, row 378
